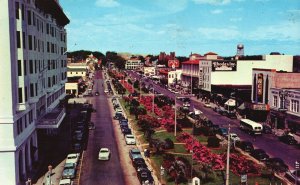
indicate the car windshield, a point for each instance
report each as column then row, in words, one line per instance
column 130, row 137
column 72, row 157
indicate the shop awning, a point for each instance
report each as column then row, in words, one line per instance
column 230, row 102
column 242, row 107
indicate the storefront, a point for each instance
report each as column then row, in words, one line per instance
column 277, row 119
column 293, row 123
column 257, row 112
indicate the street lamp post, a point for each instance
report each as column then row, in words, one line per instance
column 228, row 157
column 175, row 119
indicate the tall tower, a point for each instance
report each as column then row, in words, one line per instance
column 240, row 50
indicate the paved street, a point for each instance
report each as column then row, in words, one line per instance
column 118, row 170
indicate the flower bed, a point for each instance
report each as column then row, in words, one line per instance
column 200, row 152
column 127, row 86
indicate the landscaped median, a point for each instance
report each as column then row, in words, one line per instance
column 186, row 155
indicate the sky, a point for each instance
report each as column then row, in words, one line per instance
column 184, row 26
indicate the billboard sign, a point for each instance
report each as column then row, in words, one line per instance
column 173, row 63
column 224, row 65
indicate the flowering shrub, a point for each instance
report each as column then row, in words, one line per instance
column 127, row 86
column 147, row 120
column 201, row 153
column 241, row 165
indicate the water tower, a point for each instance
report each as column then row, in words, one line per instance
column 240, row 50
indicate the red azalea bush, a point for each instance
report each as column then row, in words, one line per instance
column 127, row 86
column 241, row 165
column 200, row 152
column 149, row 120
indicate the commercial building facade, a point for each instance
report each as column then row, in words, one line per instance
column 33, row 74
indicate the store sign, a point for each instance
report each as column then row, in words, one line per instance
column 224, row 65
column 260, row 107
column 260, row 87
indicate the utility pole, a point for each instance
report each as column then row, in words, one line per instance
column 228, row 156
column 175, row 125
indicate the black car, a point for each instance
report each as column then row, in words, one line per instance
column 97, row 93
column 267, row 129
column 288, row 139
column 126, row 130
column 245, row 146
column 118, row 116
column 260, row 155
column 208, row 123
column 145, row 177
column 138, row 161
column 277, row 165
column 223, row 131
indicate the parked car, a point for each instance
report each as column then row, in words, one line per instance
column 234, row 137
column 260, row 155
column 277, row 164
column 130, row 139
column 104, row 154
column 126, row 130
column 118, row 116
column 106, row 91
column 77, row 147
column 65, row 182
column 145, row 177
column 69, row 171
column 73, row 158
column 293, row 176
column 246, row 146
column 267, row 129
column 223, row 131
column 288, row 139
column 119, row 109
column 91, row 126
column 138, row 162
column 135, row 153
column 207, row 105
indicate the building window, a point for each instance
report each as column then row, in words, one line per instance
column 19, row 68
column 26, row 94
column 17, row 10
column 275, row 101
column 49, row 81
column 20, row 93
column 24, row 40
column 295, row 105
column 25, row 68
column 30, row 42
column 30, row 66
column 23, row 12
column 18, row 39
column 29, row 17
column 19, row 126
column 36, row 89
column 31, row 90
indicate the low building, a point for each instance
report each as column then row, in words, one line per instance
column 133, row 64
column 285, row 108
column 174, row 77
column 149, row 71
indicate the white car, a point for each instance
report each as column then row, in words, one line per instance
column 104, row 154
column 119, row 109
column 73, row 158
column 130, row 139
column 65, row 182
column 106, row 91
column 233, row 137
column 207, row 105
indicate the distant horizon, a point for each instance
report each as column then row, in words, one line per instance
column 184, row 26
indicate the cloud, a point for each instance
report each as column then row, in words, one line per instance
column 107, row 3
column 216, row 11
column 284, row 31
column 223, row 34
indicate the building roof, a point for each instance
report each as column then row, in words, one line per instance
column 210, row 53
column 53, row 8
column 191, row 62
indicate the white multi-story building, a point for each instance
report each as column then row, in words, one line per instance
column 33, row 74
column 174, row 77
column 76, row 70
column 239, row 72
column 133, row 64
